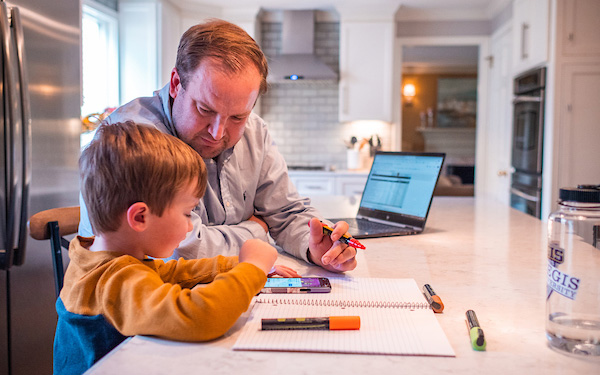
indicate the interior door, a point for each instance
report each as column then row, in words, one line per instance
column 499, row 122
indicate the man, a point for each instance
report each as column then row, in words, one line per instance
column 218, row 76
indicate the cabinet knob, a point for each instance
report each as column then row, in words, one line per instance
column 502, row 173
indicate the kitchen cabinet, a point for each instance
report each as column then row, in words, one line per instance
column 581, row 30
column 366, row 55
column 579, row 153
column 312, row 183
column 531, row 30
column 497, row 133
column 571, row 130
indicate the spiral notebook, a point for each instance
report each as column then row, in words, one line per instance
column 395, row 319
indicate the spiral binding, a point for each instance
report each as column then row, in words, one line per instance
column 345, row 303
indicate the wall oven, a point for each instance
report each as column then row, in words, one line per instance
column 528, row 136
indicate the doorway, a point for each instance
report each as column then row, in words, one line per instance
column 447, row 109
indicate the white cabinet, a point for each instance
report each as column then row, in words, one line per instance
column 581, row 34
column 531, row 21
column 313, row 183
column 366, row 55
column 579, row 131
column 350, row 185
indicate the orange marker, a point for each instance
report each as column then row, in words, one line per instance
column 434, row 300
column 346, row 238
column 331, row 323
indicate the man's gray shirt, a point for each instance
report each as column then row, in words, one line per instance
column 248, row 179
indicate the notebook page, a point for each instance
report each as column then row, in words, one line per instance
column 360, row 290
column 384, row 330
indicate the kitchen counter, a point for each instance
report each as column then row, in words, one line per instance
column 476, row 254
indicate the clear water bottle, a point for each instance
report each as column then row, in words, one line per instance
column 573, row 279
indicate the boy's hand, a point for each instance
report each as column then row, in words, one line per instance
column 283, row 271
column 259, row 253
column 334, row 256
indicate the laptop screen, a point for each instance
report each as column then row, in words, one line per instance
column 402, row 183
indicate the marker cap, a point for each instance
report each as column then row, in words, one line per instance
column 344, row 322
column 477, row 338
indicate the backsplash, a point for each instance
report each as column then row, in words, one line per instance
column 303, row 116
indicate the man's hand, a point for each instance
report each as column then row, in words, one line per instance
column 326, row 251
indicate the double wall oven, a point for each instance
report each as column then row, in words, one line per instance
column 528, row 135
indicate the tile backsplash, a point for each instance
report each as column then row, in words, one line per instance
column 303, row 116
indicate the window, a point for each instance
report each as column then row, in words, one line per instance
column 100, row 57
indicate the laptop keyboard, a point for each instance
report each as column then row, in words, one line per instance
column 368, row 226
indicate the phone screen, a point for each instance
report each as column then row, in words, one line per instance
column 297, row 285
column 293, row 282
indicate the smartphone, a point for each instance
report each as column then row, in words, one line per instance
column 297, row 285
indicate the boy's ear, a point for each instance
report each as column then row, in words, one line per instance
column 137, row 216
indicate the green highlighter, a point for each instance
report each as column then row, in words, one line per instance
column 475, row 331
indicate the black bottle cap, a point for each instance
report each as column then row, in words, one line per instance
column 582, row 194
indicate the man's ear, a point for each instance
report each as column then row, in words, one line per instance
column 175, row 83
column 138, row 216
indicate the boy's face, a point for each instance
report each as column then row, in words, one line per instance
column 166, row 232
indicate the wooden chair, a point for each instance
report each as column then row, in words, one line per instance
column 53, row 225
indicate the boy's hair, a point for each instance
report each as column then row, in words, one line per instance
column 223, row 41
column 127, row 163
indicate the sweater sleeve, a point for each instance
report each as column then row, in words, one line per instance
column 137, row 302
column 188, row 273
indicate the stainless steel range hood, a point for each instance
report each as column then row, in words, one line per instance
column 297, row 60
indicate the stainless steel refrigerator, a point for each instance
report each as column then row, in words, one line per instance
column 39, row 171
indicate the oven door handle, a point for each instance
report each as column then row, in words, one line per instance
column 524, row 195
column 527, row 99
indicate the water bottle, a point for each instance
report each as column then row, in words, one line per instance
column 573, row 278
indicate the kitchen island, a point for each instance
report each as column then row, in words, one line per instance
column 476, row 254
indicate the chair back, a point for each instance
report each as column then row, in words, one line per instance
column 53, row 225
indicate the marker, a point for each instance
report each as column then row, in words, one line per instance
column 434, row 300
column 475, row 331
column 331, row 323
column 346, row 238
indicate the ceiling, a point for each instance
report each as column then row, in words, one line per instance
column 484, row 6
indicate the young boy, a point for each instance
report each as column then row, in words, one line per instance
column 140, row 186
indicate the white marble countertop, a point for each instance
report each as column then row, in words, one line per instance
column 477, row 255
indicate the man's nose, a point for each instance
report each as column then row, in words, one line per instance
column 217, row 127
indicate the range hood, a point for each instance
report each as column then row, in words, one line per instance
column 297, row 61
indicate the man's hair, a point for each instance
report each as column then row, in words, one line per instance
column 127, row 163
column 224, row 42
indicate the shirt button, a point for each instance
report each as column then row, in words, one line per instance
column 227, row 204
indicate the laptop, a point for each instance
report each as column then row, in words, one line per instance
column 397, row 195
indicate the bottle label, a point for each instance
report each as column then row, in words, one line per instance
column 562, row 283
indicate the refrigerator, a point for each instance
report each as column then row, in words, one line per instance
column 39, row 146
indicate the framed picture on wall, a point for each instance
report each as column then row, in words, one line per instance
column 456, row 102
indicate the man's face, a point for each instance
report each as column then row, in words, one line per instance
column 211, row 112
